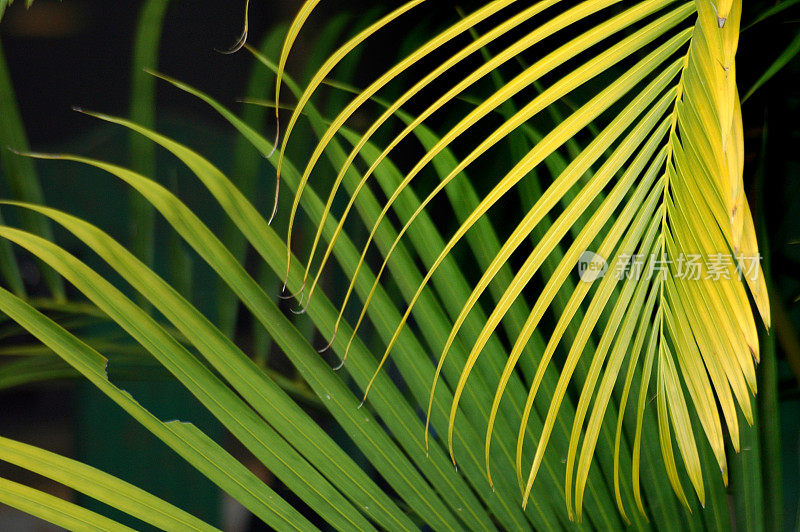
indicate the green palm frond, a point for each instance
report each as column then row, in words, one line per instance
column 664, row 183
column 574, row 392
column 99, row 485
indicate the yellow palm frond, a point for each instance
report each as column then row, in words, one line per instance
column 657, row 192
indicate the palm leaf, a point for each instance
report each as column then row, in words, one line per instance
column 672, row 156
column 55, row 510
column 648, row 163
column 99, row 485
column 233, row 413
column 254, row 385
column 185, row 439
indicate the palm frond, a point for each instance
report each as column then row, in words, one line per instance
column 667, row 169
column 624, row 128
column 57, row 511
column 99, row 485
column 185, row 439
column 254, row 385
